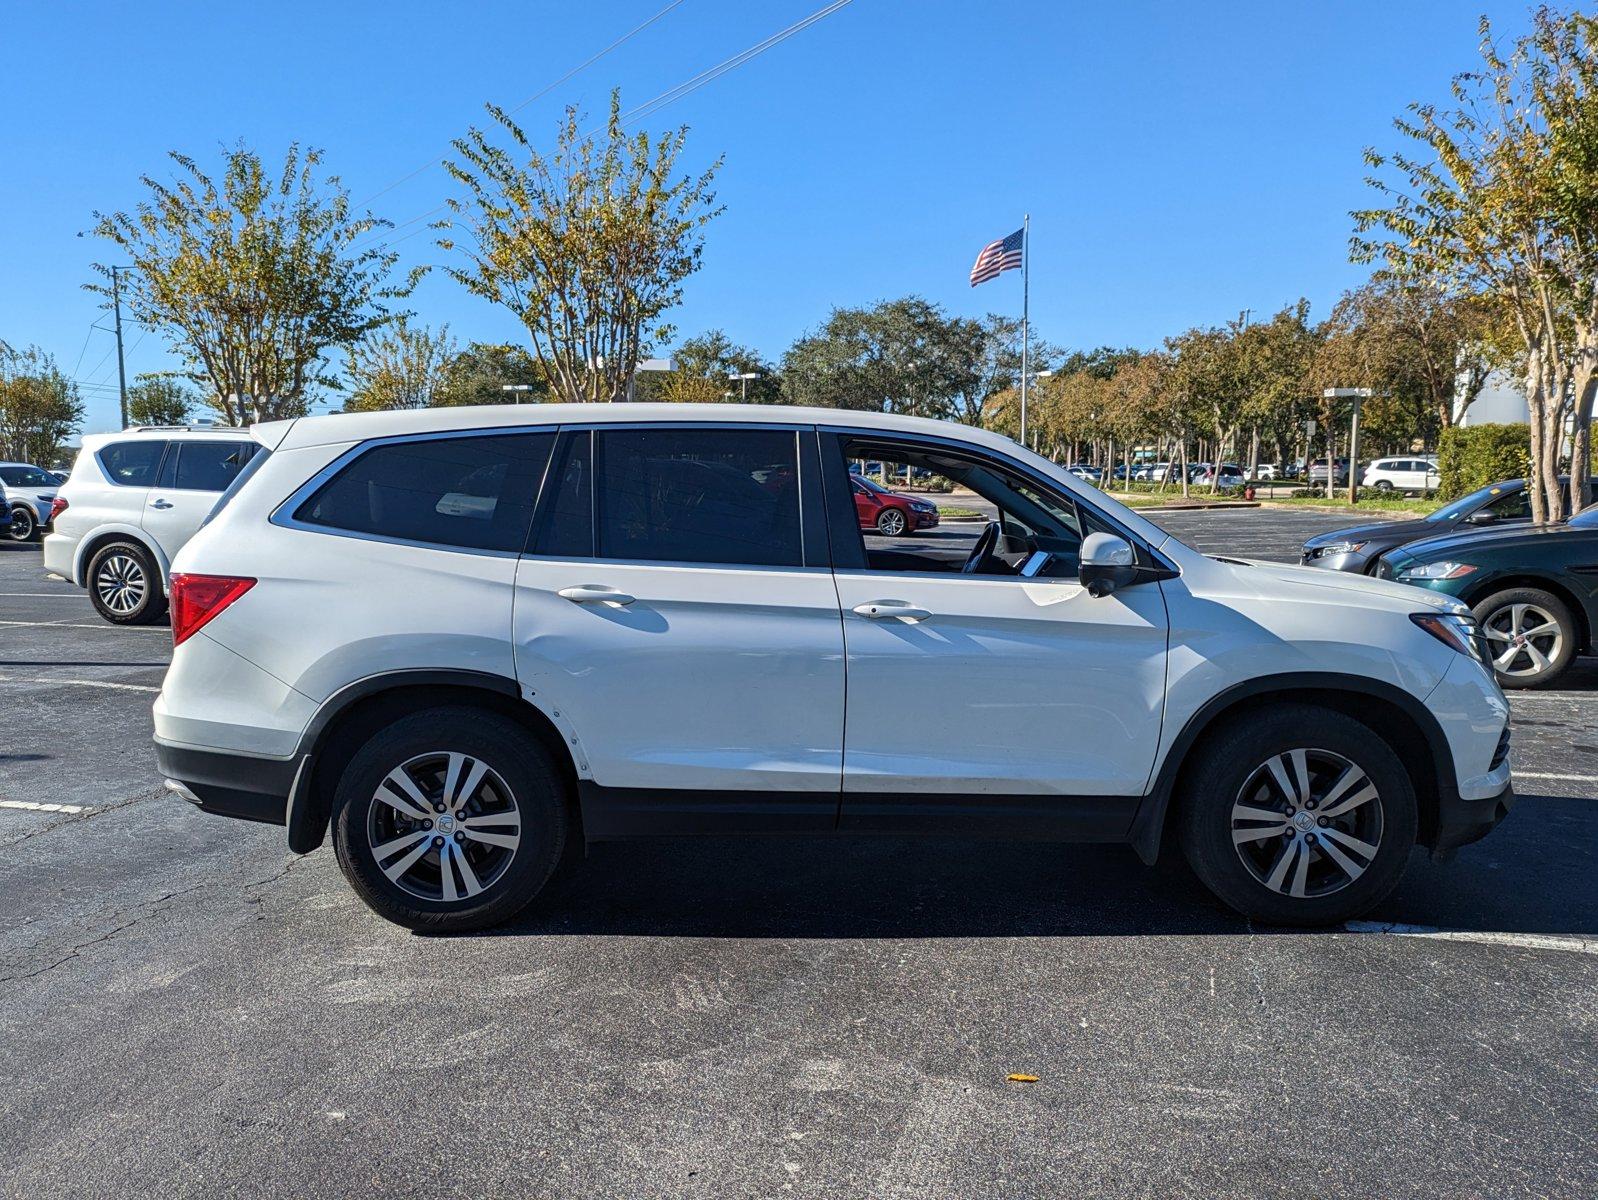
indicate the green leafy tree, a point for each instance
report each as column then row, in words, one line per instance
column 588, row 245
column 39, row 406
column 702, row 370
column 479, row 373
column 252, row 277
column 159, row 400
column 1501, row 199
column 399, row 366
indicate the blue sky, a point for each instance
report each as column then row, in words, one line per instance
column 1181, row 162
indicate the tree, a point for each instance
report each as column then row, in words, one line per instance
column 702, row 370
column 252, row 277
column 399, row 366
column 39, row 406
column 159, row 400
column 1503, row 201
column 479, row 373
column 993, row 347
column 588, row 246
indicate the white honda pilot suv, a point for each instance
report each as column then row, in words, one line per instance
column 472, row 639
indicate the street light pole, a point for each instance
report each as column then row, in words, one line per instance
column 1357, row 395
column 743, row 383
column 517, row 389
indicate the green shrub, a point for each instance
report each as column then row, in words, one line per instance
column 1474, row 456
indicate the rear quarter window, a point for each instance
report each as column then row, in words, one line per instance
column 467, row 493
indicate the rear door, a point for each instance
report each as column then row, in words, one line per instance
column 195, row 473
column 676, row 617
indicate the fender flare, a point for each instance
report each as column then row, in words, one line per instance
column 306, row 819
column 1148, row 825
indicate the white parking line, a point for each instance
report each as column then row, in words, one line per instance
column 93, row 683
column 89, row 625
column 1526, row 941
column 30, row 806
column 55, row 595
column 1560, row 778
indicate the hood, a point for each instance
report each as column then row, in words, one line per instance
column 1382, row 593
column 1477, row 540
column 1384, row 531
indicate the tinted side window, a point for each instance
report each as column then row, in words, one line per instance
column 132, row 464
column 208, row 466
column 1512, row 506
column 699, row 495
column 472, row 493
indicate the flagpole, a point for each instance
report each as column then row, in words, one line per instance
column 1026, row 266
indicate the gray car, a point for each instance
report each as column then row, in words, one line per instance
column 1358, row 547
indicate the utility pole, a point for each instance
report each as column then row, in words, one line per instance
column 122, row 371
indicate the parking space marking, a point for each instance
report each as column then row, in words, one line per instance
column 31, row 806
column 1526, row 941
column 1556, row 777
column 75, row 683
column 86, row 625
column 52, row 595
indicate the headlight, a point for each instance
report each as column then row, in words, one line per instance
column 1338, row 548
column 923, row 506
column 1457, row 631
column 1447, row 569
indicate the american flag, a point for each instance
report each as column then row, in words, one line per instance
column 996, row 258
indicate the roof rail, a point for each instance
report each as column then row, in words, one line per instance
column 208, row 426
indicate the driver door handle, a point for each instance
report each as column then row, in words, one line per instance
column 594, row 593
column 879, row 610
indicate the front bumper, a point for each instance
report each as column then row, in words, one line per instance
column 1460, row 821
column 230, row 785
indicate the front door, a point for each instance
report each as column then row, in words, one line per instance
column 677, row 618
column 979, row 669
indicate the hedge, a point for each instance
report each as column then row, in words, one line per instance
column 1473, row 456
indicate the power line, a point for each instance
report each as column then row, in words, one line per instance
column 538, row 95
column 671, row 95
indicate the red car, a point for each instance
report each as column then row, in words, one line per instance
column 888, row 513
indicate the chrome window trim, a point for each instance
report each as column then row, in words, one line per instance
column 283, row 514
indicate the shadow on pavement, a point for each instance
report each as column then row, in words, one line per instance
column 1532, row 875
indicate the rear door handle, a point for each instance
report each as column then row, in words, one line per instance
column 879, row 610
column 160, row 504
column 594, row 593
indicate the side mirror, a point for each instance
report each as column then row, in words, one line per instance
column 1107, row 563
column 1481, row 518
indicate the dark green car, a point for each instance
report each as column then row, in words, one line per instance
column 1534, row 590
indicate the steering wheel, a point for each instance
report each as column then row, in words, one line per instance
column 983, row 550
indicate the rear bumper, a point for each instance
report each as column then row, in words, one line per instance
column 231, row 785
column 1461, row 822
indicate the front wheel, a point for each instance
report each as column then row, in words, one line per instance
column 1298, row 815
column 1530, row 636
column 23, row 524
column 891, row 523
column 450, row 820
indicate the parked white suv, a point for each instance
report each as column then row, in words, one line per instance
column 132, row 501
column 29, row 492
column 1407, row 473
column 472, row 638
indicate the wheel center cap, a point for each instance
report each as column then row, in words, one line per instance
column 1304, row 822
column 445, row 823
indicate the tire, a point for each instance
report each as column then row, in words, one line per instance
column 891, row 522
column 1230, row 777
column 1384, row 485
column 24, row 524
column 125, row 586
column 1520, row 612
column 519, row 805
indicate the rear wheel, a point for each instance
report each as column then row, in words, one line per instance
column 450, row 820
column 125, row 585
column 1298, row 816
column 1384, row 485
column 1530, row 635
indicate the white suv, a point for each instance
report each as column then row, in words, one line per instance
column 472, row 638
column 1411, row 473
column 132, row 501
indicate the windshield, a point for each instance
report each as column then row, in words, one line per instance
column 1463, row 508
column 29, row 477
column 871, row 487
column 1587, row 518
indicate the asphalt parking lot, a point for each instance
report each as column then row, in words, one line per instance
column 188, row 1009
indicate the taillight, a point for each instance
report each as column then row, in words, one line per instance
column 57, row 507
column 195, row 599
